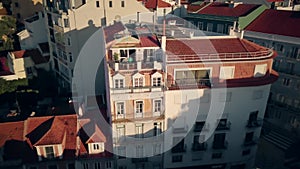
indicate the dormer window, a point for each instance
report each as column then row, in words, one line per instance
column 156, row 79
column 138, row 80
column 49, row 152
column 95, row 148
column 119, row 81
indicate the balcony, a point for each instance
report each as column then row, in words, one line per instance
column 254, row 123
column 139, row 160
column 201, row 126
column 189, row 83
column 225, row 125
column 179, row 148
column 124, row 65
column 218, row 145
column 140, row 89
column 199, row 146
column 181, row 129
column 252, row 142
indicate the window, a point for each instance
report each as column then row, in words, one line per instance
column 120, row 131
column 69, row 41
column 178, row 145
column 110, row 4
column 216, row 155
column 176, row 158
column 97, row 165
column 286, row 81
column 123, row 4
column 139, row 130
column 108, row 164
column 253, row 116
column 279, row 47
column 156, row 129
column 249, row 137
column 120, row 109
column 70, row 57
column 49, row 152
column 246, row 152
column 139, row 108
column 97, row 4
column 18, row 15
column 139, row 151
column 290, row 67
column 156, row 81
column 210, row 27
column 85, row 165
column 220, row 28
column 66, row 23
column 227, row 72
column 96, row 146
column 138, row 82
column 121, row 152
column 119, row 83
column 295, row 53
column 16, row 4
column 219, row 141
column 157, row 149
column 260, row 70
column 200, row 25
column 157, row 105
column 200, row 77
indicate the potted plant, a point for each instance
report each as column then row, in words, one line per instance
column 116, row 57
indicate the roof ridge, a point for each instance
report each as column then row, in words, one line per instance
column 204, row 7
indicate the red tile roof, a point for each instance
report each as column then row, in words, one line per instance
column 153, row 4
column 224, row 9
column 3, row 11
column 19, row 54
column 201, row 47
column 98, row 136
column 111, row 30
column 149, row 41
column 11, row 131
column 279, row 22
column 195, row 7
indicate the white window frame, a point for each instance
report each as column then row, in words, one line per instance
column 260, row 70
column 138, row 77
column 227, row 72
column 154, row 79
column 47, row 153
column 157, row 112
column 117, row 79
column 120, row 132
column 137, row 112
column 139, row 130
column 122, row 112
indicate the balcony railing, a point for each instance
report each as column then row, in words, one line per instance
column 199, row 146
column 225, row 126
column 183, row 129
column 189, row 83
column 252, row 142
column 220, row 145
column 218, row 56
column 138, row 116
column 254, row 123
column 179, row 149
column 137, row 89
column 201, row 127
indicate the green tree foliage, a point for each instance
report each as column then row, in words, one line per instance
column 7, row 29
column 10, row 86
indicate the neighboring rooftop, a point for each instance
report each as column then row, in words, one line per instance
column 226, row 9
column 279, row 22
column 153, row 4
column 111, row 30
column 217, row 48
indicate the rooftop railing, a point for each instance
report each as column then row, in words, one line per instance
column 220, row 56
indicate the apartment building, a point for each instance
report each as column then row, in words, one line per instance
column 71, row 23
column 134, row 80
column 22, row 9
column 179, row 86
column 219, row 17
column 283, row 107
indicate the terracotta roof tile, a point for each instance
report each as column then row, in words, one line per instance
column 279, row 22
column 198, row 47
column 153, row 4
column 19, row 54
column 223, row 9
column 149, row 41
column 111, row 30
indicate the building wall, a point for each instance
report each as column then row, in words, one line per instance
column 236, row 115
column 22, row 9
column 284, row 97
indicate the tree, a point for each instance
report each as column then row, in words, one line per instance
column 7, row 29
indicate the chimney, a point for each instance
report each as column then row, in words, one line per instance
column 163, row 43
